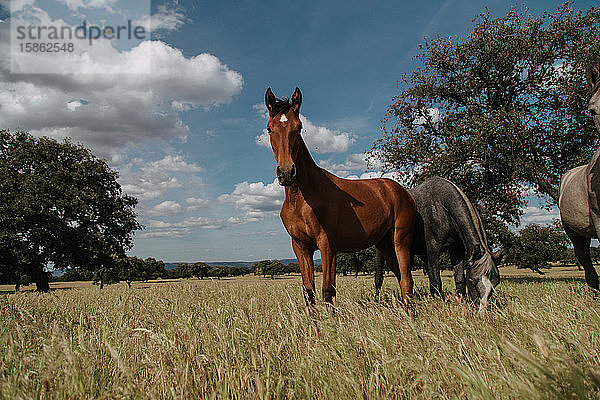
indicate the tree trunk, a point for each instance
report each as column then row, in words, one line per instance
column 546, row 187
column 42, row 282
column 17, row 286
column 128, row 284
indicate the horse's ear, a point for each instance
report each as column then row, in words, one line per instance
column 592, row 74
column 499, row 256
column 297, row 100
column 270, row 101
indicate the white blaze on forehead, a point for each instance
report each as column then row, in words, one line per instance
column 283, row 118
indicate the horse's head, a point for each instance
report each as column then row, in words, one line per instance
column 593, row 78
column 483, row 277
column 284, row 128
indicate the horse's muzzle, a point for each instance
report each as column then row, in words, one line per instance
column 286, row 176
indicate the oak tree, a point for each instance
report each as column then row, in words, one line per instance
column 61, row 207
column 501, row 112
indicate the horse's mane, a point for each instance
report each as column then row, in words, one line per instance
column 281, row 106
column 482, row 266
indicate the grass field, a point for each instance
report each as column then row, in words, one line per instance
column 251, row 338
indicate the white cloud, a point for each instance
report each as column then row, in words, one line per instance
column 168, row 207
column 147, row 188
column 173, row 163
column 318, row 139
column 74, row 104
column 153, row 223
column 174, row 233
column 256, row 200
column 195, row 203
column 109, row 99
column 167, row 19
column 203, row 222
column 379, row 174
column 537, row 215
column 102, row 4
column 428, row 114
column 15, row 5
column 354, row 162
column 157, row 228
column 149, row 180
column 261, row 110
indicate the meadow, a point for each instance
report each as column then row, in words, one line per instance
column 251, row 338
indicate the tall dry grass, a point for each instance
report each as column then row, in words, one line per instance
column 246, row 339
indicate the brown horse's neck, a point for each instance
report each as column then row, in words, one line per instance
column 309, row 173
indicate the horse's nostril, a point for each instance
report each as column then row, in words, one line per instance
column 293, row 171
column 278, row 171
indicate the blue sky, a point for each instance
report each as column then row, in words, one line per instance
column 186, row 137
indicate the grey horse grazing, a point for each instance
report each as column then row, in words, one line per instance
column 579, row 195
column 446, row 220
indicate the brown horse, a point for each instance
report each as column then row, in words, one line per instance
column 325, row 212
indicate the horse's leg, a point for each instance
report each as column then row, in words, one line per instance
column 386, row 247
column 433, row 269
column 402, row 242
column 581, row 245
column 328, row 264
column 378, row 272
column 304, row 255
column 456, row 258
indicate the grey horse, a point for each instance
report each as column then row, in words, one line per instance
column 447, row 221
column 579, row 194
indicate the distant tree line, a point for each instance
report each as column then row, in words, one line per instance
column 346, row 263
column 273, row 267
column 202, row 270
column 354, row 263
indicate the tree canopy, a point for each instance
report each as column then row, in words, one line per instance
column 535, row 246
column 501, row 112
column 60, row 206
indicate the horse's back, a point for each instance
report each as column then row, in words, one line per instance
column 447, row 214
column 376, row 191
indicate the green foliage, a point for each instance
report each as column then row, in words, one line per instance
column 535, row 246
column 594, row 254
column 499, row 111
column 292, row 268
column 74, row 275
column 59, row 205
column 217, row 272
column 269, row 267
column 202, row 270
column 355, row 262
